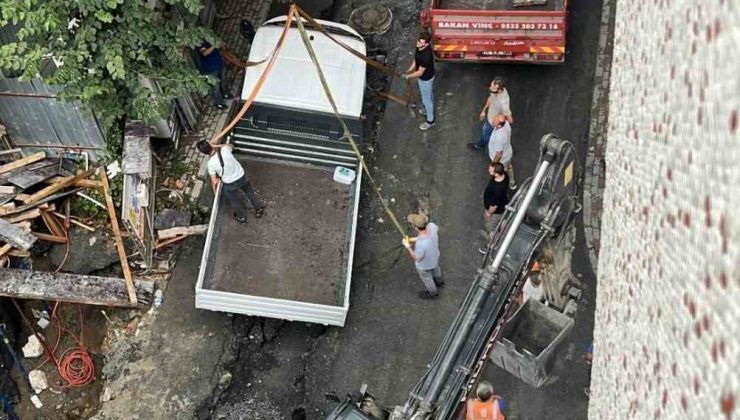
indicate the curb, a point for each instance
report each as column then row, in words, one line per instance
column 595, row 165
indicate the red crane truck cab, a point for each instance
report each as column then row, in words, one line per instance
column 519, row 31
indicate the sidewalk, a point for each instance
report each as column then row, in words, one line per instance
column 212, row 121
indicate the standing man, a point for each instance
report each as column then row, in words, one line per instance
column 223, row 167
column 495, row 199
column 486, row 406
column 499, row 148
column 423, row 68
column 212, row 64
column 425, row 254
column 496, row 104
column 532, row 288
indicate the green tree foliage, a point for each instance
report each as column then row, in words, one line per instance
column 103, row 49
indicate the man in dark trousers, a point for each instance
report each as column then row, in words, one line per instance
column 212, row 64
column 425, row 253
column 495, row 199
column 422, row 68
column 223, row 167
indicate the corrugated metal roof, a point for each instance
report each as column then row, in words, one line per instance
column 46, row 120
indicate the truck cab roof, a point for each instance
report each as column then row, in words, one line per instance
column 293, row 81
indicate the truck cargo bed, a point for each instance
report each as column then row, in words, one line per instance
column 492, row 5
column 298, row 250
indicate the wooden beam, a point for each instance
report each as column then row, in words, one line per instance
column 24, row 225
column 183, row 230
column 16, row 237
column 73, row 221
column 8, row 211
column 22, row 162
column 18, row 253
column 90, row 290
column 7, row 189
column 52, row 224
column 169, row 241
column 84, row 183
column 51, row 189
column 50, row 238
column 31, row 214
column 117, row 236
column 5, row 249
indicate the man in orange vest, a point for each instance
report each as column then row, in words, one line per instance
column 487, row 406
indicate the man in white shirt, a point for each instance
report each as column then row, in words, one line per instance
column 532, row 288
column 499, row 148
column 223, row 167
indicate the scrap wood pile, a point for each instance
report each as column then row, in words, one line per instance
column 35, row 196
column 33, row 193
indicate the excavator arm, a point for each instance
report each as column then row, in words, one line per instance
column 542, row 209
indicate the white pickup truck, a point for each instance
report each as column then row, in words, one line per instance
column 295, row 263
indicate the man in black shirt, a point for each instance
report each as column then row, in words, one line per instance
column 495, row 199
column 423, row 68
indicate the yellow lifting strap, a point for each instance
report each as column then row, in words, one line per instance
column 347, row 133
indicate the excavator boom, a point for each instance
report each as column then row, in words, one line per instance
column 543, row 208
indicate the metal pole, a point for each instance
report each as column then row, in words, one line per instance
column 57, row 146
column 487, row 283
column 28, row 95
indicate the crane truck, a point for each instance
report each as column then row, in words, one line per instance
column 490, row 324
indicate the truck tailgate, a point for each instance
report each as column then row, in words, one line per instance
column 498, row 31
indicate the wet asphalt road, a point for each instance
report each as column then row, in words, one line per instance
column 390, row 334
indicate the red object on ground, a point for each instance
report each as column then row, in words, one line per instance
column 497, row 31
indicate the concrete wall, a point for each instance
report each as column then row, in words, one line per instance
column 667, row 331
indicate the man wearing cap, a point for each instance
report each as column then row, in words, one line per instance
column 425, row 253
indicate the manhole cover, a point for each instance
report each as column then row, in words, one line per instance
column 371, row 19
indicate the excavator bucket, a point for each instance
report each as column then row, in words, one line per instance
column 529, row 342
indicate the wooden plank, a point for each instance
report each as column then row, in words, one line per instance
column 8, row 212
column 18, row 253
column 16, row 237
column 7, row 189
column 117, row 236
column 27, row 179
column 50, row 238
column 51, row 189
column 5, row 249
column 183, row 230
column 52, row 224
column 31, row 214
column 73, row 221
column 84, row 183
column 24, row 225
column 22, row 162
column 90, row 290
column 4, row 178
column 8, row 206
column 22, row 197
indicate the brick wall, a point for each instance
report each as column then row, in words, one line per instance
column 667, row 332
